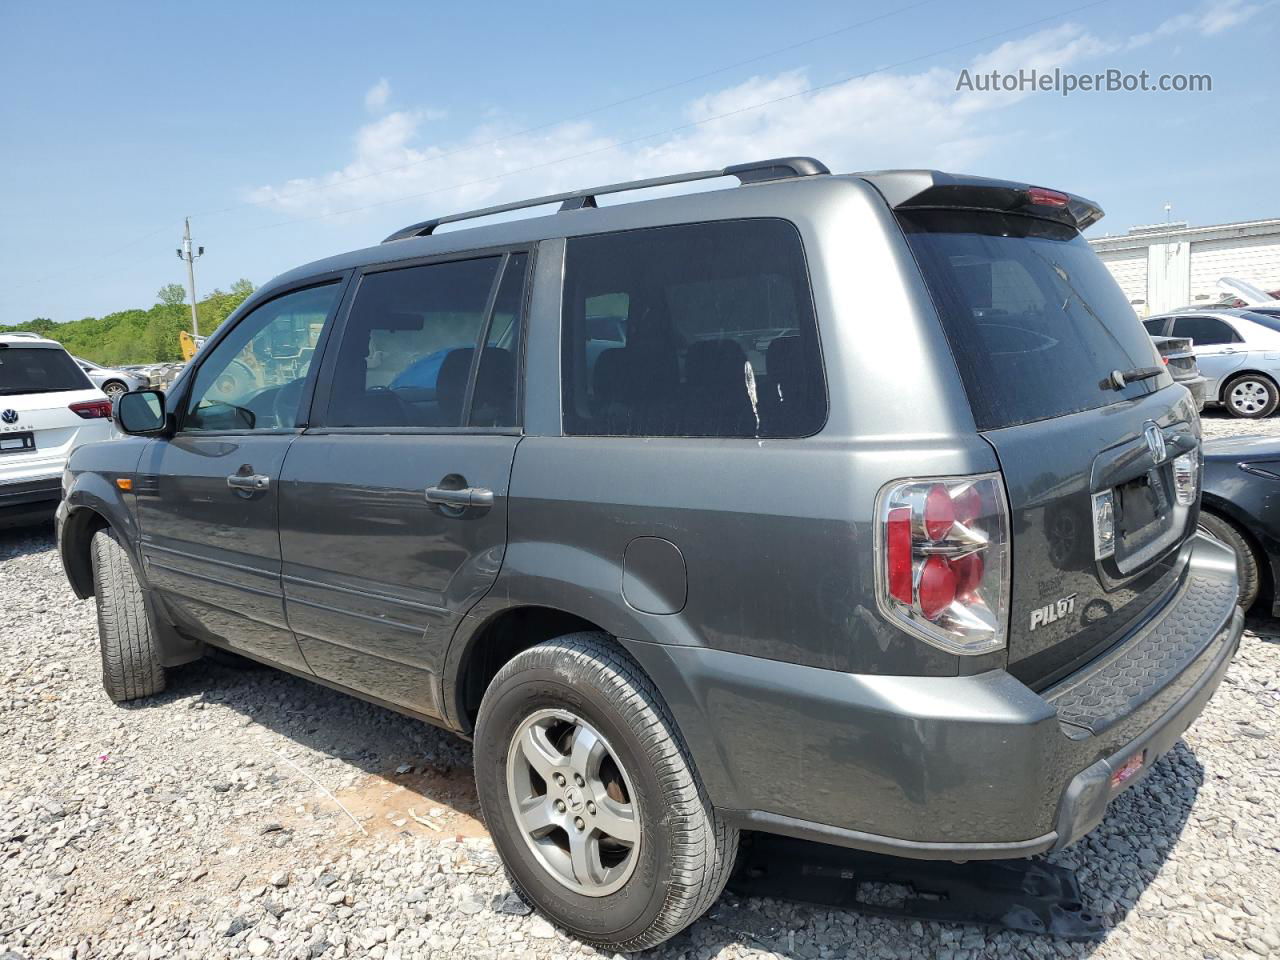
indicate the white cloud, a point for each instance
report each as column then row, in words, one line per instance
column 884, row 119
column 375, row 99
column 1208, row 20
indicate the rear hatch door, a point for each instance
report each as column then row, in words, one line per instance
column 1039, row 331
column 38, row 386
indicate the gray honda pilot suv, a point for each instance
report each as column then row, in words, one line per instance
column 854, row 508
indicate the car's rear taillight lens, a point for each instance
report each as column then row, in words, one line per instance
column 1185, row 479
column 92, row 409
column 943, row 560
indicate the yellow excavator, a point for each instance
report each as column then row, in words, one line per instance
column 189, row 345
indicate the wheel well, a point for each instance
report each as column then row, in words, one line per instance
column 82, row 524
column 495, row 643
column 1222, row 391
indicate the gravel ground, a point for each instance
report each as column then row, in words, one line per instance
column 206, row 823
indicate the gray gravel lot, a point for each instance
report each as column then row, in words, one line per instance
column 196, row 824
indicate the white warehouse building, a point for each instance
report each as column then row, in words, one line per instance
column 1169, row 265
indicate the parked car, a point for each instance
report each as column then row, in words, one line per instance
column 111, row 381
column 1241, row 507
column 48, row 407
column 1180, row 358
column 1238, row 352
column 706, row 579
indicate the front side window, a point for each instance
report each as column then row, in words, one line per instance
column 1205, row 331
column 698, row 330
column 254, row 378
column 408, row 353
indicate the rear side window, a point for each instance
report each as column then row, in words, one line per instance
column 1205, row 331
column 1154, row 326
column 699, row 330
column 1034, row 320
column 39, row 370
column 411, row 350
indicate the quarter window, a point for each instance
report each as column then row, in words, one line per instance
column 700, row 330
column 254, row 378
column 408, row 353
column 1205, row 331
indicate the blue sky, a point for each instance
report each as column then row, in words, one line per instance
column 291, row 132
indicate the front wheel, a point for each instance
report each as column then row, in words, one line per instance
column 1251, row 397
column 131, row 665
column 592, row 798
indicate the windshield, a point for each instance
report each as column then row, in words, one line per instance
column 39, row 370
column 1269, row 320
column 1035, row 321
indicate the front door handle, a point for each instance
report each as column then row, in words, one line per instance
column 252, row 481
column 466, row 497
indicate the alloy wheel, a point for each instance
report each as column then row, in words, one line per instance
column 573, row 802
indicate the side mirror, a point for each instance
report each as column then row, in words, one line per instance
column 141, row 413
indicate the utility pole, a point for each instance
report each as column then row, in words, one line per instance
column 184, row 253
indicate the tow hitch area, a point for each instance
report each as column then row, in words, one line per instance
column 1031, row 896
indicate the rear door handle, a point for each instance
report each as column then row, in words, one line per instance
column 252, row 481
column 466, row 497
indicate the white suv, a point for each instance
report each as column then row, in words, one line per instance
column 48, row 407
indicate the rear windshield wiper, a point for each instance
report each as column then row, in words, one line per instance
column 1119, row 379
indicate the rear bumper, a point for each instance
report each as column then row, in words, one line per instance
column 976, row 767
column 1199, row 387
column 29, row 500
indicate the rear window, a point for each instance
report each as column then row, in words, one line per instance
column 1034, row 319
column 39, row 370
column 694, row 330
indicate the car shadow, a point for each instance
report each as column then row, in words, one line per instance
column 24, row 540
column 1114, row 864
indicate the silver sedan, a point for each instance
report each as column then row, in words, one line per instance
column 1238, row 352
column 114, row 383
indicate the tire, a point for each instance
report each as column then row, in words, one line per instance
column 1246, row 558
column 682, row 851
column 130, row 662
column 1250, row 396
column 114, row 389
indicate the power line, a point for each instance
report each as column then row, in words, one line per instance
column 519, row 133
column 815, row 88
column 331, row 184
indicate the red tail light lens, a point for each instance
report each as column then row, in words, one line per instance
column 92, row 409
column 943, row 567
column 898, row 546
column 1043, row 197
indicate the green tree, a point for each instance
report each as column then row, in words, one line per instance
column 171, row 294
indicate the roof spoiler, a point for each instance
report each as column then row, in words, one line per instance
column 932, row 189
column 781, row 168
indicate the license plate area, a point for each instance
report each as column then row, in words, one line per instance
column 17, row 442
column 1139, row 503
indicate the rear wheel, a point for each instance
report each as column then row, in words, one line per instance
column 114, row 389
column 130, row 662
column 1251, row 396
column 1246, row 559
column 592, row 798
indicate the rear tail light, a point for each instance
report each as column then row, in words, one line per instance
column 1104, row 525
column 942, row 561
column 92, row 409
column 1185, row 481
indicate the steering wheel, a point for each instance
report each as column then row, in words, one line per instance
column 284, row 405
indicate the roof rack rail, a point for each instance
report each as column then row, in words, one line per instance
column 780, row 168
